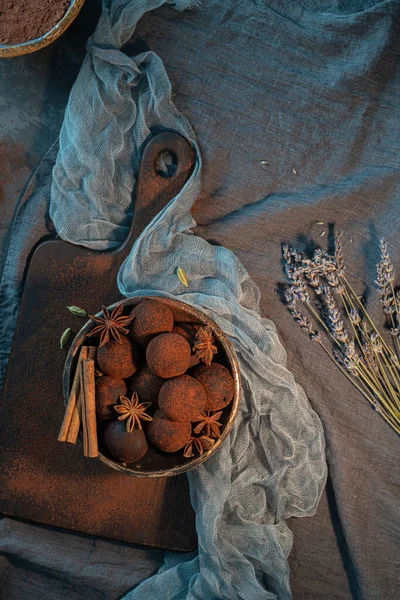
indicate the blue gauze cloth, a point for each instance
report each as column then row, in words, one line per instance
column 272, row 465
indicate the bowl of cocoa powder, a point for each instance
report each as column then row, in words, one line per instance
column 29, row 25
column 165, row 387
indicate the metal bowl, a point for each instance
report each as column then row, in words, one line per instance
column 154, row 463
column 72, row 12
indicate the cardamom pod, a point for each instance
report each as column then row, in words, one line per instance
column 65, row 337
column 182, row 277
column 77, row 311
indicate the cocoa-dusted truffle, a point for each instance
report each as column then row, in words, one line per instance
column 147, row 385
column 151, row 318
column 167, row 435
column 123, row 445
column 118, row 359
column 168, row 355
column 218, row 384
column 182, row 398
column 108, row 391
column 187, row 331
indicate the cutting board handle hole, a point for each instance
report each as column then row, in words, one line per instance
column 166, row 164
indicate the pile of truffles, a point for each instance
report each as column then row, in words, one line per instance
column 157, row 383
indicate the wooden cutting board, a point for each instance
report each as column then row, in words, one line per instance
column 52, row 483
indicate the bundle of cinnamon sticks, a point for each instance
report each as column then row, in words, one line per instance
column 81, row 407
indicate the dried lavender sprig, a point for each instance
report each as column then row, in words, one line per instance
column 359, row 327
column 298, row 291
column 352, row 297
column 290, row 254
column 300, row 318
column 339, row 254
column 293, row 274
column 395, row 331
column 335, row 320
column 351, row 353
column 346, row 362
column 376, row 344
column 314, row 280
column 385, row 264
column 385, row 284
column 323, row 266
column 321, row 257
column 385, row 279
column 299, row 288
column 371, row 346
column 355, row 316
column 370, row 359
column 334, row 281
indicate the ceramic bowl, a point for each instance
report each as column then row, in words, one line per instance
column 11, row 50
column 155, row 463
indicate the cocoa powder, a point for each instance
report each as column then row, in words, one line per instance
column 24, row 20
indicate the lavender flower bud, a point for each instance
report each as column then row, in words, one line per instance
column 339, row 255
column 355, row 316
column 385, row 279
column 376, row 343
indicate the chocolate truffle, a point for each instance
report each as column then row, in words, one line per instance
column 167, row 435
column 147, row 385
column 151, row 318
column 108, row 391
column 218, row 384
column 182, row 398
column 168, row 355
column 124, row 446
column 187, row 331
column 119, row 360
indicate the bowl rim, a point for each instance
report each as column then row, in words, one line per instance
column 199, row 316
column 21, row 48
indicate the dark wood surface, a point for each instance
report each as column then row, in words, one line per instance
column 49, row 482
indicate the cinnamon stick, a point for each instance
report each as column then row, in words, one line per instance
column 89, row 426
column 75, row 426
column 72, row 435
column 70, row 411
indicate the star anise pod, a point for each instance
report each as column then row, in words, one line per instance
column 111, row 326
column 208, row 423
column 197, row 445
column 204, row 345
column 132, row 411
